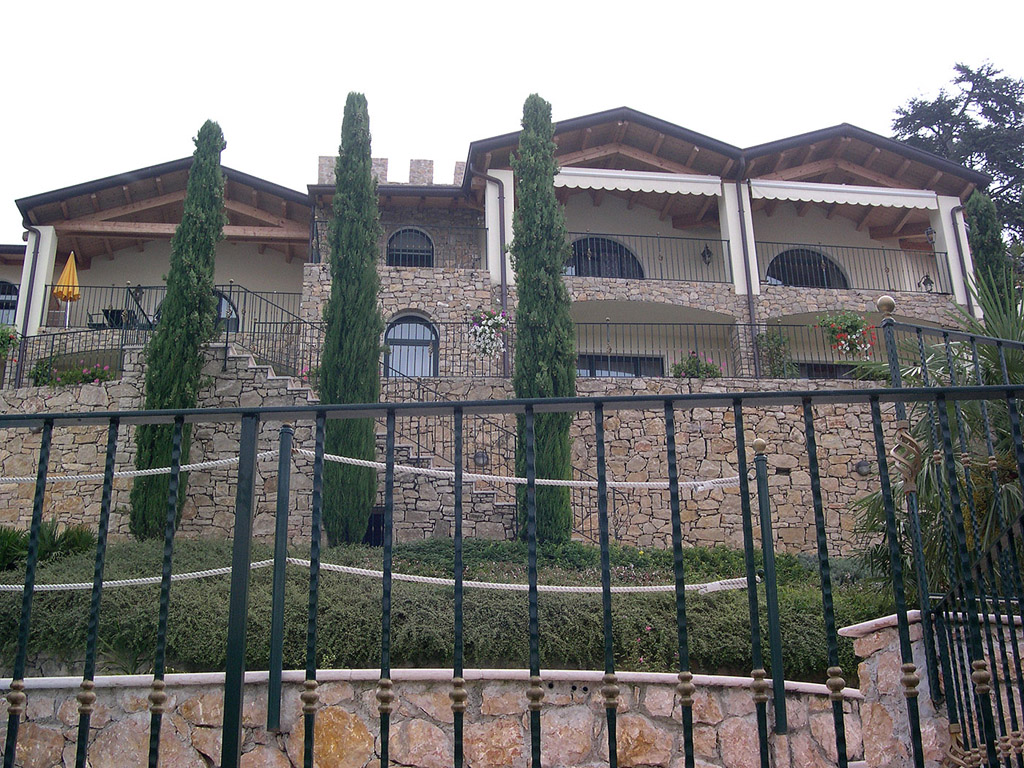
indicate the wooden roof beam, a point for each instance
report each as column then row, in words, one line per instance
column 597, row 197
column 831, row 211
column 632, row 200
column 134, row 229
column 908, row 230
column 690, row 157
column 865, row 218
column 778, row 162
column 708, row 200
column 902, row 169
column 864, row 173
column 803, row 171
column 657, row 144
column 127, row 194
column 159, row 185
column 666, row 207
column 872, row 156
column 64, row 209
column 621, row 133
column 802, row 208
column 588, row 134
column 103, row 214
column 769, row 207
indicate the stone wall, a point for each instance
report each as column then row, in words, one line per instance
column 884, row 709
column 635, row 443
column 573, row 723
column 780, row 301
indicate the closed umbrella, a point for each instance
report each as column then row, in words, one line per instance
column 67, row 288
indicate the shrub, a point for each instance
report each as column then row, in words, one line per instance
column 8, row 341
column 773, row 350
column 54, row 372
column 13, row 545
column 693, row 367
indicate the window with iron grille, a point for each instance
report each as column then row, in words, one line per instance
column 410, row 248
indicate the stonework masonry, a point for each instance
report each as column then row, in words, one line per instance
column 573, row 725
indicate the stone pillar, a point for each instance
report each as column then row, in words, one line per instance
column 32, row 297
column 421, row 172
column 884, row 709
column 379, row 169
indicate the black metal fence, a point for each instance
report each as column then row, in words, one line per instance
column 847, row 267
column 965, row 519
column 975, row 624
column 649, row 257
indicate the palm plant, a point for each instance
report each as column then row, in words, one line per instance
column 988, row 489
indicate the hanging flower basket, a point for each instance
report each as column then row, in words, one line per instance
column 487, row 331
column 848, row 333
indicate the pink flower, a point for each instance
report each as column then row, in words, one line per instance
column 106, row 367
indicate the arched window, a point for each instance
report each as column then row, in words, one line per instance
column 411, row 347
column 410, row 248
column 8, row 302
column 602, row 257
column 804, row 268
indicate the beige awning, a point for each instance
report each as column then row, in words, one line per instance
column 843, row 194
column 638, row 181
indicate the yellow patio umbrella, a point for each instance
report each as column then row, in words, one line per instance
column 67, row 288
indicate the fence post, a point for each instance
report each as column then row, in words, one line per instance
column 770, row 586
column 910, row 451
column 234, row 675
column 284, row 469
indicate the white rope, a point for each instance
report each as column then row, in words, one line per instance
column 136, row 472
column 661, row 485
column 711, row 586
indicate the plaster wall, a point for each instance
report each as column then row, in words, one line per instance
column 240, row 262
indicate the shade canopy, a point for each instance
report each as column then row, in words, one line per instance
column 67, row 288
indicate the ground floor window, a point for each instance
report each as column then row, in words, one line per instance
column 8, row 302
column 619, row 366
column 410, row 347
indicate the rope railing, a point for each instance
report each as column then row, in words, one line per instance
column 448, row 474
column 704, row 588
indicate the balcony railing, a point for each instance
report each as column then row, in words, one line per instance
column 137, row 307
column 844, row 267
column 649, row 257
column 417, row 247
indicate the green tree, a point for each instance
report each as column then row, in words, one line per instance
column 985, row 236
column 979, row 123
column 174, row 356
column 545, row 360
column 349, row 368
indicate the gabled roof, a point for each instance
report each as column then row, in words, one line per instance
column 99, row 216
column 625, row 139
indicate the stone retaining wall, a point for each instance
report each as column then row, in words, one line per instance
column 573, row 725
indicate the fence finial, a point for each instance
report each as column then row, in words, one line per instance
column 886, row 305
column 760, row 446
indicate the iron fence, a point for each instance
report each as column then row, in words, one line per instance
column 847, row 267
column 648, row 257
column 978, row 588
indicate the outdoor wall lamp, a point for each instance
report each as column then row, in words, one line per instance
column 930, row 234
column 480, row 458
column 862, row 468
column 927, row 283
column 706, row 255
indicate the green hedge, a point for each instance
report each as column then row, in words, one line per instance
column 496, row 628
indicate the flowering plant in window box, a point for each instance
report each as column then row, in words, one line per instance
column 487, row 329
column 696, row 367
column 848, row 333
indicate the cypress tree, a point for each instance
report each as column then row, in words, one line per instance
column 545, row 359
column 174, row 356
column 985, row 236
column 349, row 366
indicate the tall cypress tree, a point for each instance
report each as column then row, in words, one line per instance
column 545, row 360
column 174, row 356
column 349, row 367
column 985, row 236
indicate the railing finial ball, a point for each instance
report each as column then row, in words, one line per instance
column 886, row 304
column 760, row 446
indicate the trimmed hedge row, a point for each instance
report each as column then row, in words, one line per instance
column 496, row 626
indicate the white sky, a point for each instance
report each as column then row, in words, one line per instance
column 98, row 88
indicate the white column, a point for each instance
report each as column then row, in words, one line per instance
column 733, row 224
column 491, row 218
column 33, row 297
column 947, row 226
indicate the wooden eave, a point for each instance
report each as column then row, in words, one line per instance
column 101, row 217
column 390, row 196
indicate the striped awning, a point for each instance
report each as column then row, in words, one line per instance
column 638, row 181
column 843, row 194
